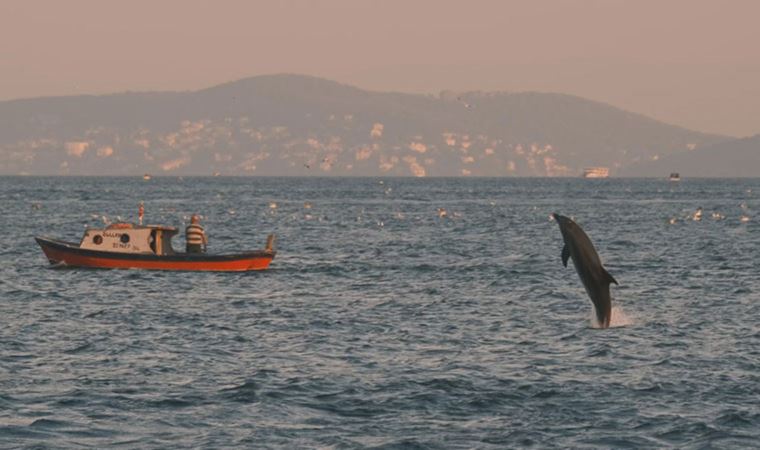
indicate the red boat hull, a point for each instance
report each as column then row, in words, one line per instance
column 60, row 252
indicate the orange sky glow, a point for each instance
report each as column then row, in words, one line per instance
column 692, row 63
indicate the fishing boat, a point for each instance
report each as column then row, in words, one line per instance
column 675, row 176
column 130, row 246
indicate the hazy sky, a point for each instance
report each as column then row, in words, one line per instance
column 694, row 63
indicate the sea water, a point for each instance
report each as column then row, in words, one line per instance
column 398, row 313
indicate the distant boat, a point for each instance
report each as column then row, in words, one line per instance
column 675, row 176
column 596, row 172
column 146, row 177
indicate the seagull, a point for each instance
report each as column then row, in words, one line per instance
column 466, row 105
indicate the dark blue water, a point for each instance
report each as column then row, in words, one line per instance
column 382, row 323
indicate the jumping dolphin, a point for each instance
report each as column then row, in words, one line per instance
column 595, row 278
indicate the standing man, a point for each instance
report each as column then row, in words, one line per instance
column 195, row 236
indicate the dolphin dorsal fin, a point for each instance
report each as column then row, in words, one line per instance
column 609, row 278
column 565, row 255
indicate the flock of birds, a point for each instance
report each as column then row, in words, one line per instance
column 698, row 214
column 443, row 213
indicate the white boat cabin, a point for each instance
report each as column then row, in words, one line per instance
column 130, row 238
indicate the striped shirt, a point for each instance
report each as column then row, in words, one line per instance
column 194, row 234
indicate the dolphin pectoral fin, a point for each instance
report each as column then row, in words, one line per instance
column 565, row 255
column 609, row 278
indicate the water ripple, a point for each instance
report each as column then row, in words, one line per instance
column 383, row 325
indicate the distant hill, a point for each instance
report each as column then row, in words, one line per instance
column 300, row 125
column 733, row 158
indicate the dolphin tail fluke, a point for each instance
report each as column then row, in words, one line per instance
column 603, row 315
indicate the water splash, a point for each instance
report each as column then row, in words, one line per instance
column 618, row 318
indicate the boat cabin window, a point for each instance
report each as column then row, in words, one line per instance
column 124, row 238
column 97, row 239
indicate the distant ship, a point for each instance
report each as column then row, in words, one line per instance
column 146, row 177
column 675, row 177
column 596, row 172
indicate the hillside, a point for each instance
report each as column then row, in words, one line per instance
column 300, row 125
column 733, row 158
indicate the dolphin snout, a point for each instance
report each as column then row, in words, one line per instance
column 561, row 220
